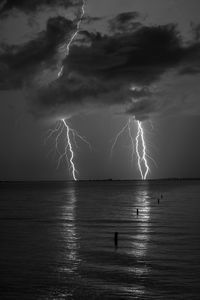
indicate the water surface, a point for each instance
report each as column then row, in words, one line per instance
column 57, row 240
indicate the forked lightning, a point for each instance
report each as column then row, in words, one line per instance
column 62, row 124
column 139, row 145
column 141, row 158
column 70, row 135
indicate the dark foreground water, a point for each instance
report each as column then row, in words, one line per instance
column 56, row 240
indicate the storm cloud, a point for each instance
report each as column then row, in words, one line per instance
column 29, row 6
column 19, row 63
column 129, row 69
column 124, row 22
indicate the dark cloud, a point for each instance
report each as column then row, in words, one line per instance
column 124, row 22
column 126, row 70
column 141, row 56
column 118, row 70
column 191, row 59
column 190, row 70
column 141, row 92
column 89, row 19
column 143, row 108
column 18, row 64
column 28, row 6
column 196, row 31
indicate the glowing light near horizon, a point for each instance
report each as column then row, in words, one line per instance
column 66, row 47
column 62, row 128
column 139, row 145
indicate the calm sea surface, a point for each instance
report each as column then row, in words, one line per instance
column 57, row 240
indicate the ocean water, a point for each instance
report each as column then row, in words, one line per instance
column 57, row 240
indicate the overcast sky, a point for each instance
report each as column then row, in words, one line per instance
column 131, row 58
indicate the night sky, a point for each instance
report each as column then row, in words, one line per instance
column 130, row 58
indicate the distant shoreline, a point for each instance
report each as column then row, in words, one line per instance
column 95, row 180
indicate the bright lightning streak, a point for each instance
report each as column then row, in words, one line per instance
column 74, row 171
column 143, row 157
column 139, row 145
column 138, row 153
column 61, row 71
column 66, row 47
column 63, row 129
column 61, row 125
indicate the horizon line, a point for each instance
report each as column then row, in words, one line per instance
column 106, row 179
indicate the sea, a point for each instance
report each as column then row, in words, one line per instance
column 57, row 240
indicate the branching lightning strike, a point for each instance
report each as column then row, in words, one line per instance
column 63, row 129
column 74, row 171
column 66, row 47
column 139, row 145
column 62, row 125
column 143, row 157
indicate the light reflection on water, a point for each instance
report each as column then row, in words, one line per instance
column 57, row 241
column 142, row 201
column 140, row 240
column 69, row 232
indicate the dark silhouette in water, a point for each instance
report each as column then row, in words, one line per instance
column 161, row 196
column 116, row 239
column 158, row 200
column 137, row 211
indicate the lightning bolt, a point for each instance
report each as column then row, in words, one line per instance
column 143, row 157
column 70, row 135
column 66, row 47
column 74, row 171
column 62, row 125
column 138, row 145
column 138, row 153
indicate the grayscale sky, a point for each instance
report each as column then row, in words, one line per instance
column 131, row 58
